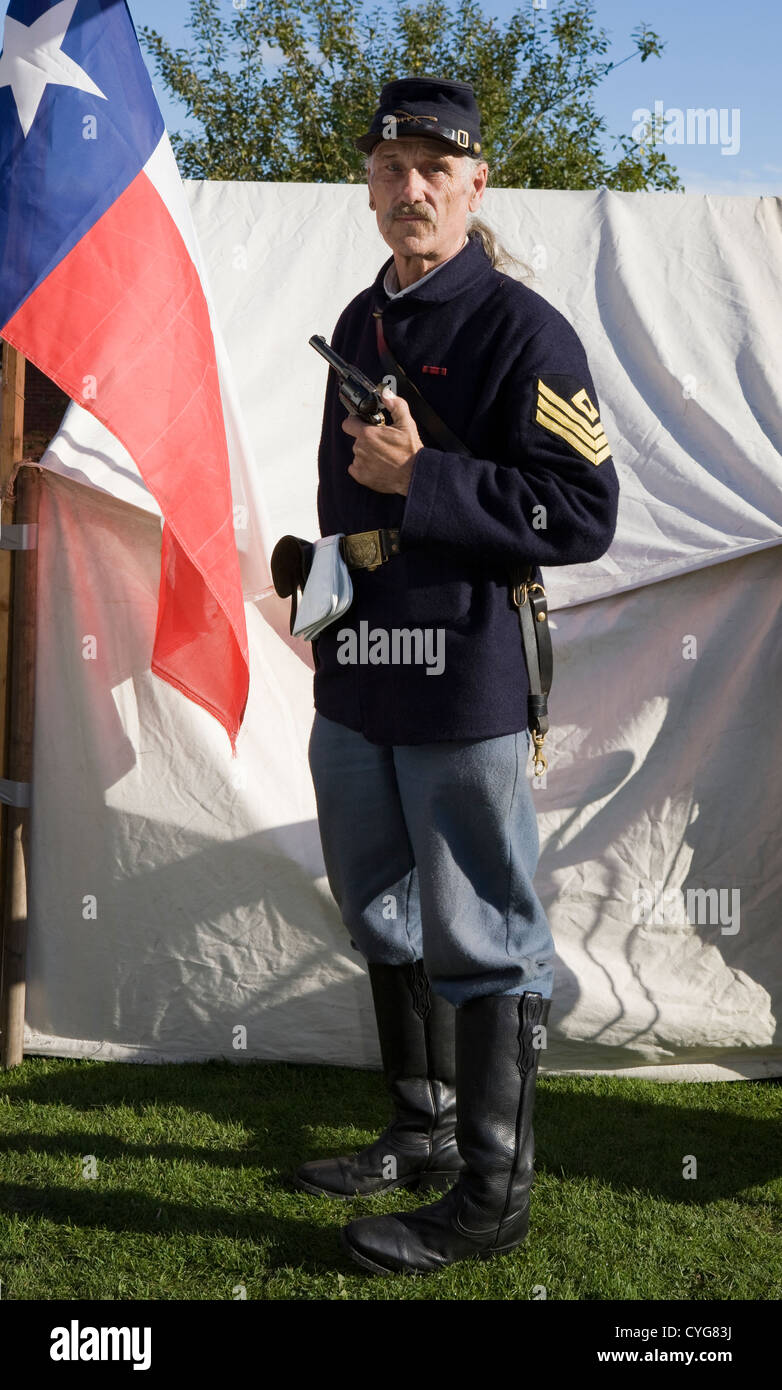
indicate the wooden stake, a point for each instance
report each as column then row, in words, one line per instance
column 21, row 712
column 11, row 449
column 18, row 576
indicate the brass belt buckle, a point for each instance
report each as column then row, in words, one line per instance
column 363, row 550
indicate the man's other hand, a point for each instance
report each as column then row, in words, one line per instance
column 383, row 454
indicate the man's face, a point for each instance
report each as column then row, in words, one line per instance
column 418, row 189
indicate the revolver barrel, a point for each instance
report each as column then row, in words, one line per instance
column 358, row 394
column 333, row 358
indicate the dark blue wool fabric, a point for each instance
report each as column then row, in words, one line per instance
column 466, row 522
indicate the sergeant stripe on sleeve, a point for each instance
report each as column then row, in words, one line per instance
column 577, row 421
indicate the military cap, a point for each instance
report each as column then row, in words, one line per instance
column 426, row 106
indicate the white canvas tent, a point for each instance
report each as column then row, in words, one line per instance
column 179, row 909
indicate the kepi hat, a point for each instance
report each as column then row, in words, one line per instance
column 431, row 107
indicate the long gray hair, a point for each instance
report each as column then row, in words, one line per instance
column 479, row 230
column 500, row 257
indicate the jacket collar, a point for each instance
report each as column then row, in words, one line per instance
column 464, row 271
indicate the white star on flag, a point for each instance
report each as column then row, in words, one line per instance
column 32, row 58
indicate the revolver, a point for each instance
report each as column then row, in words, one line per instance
column 358, row 394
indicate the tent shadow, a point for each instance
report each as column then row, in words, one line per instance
column 231, row 935
column 683, row 812
column 291, row 1113
column 199, row 934
column 282, row 1239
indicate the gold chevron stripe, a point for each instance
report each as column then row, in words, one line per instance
column 591, row 452
column 594, row 439
column 568, row 408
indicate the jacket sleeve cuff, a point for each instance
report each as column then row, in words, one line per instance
column 421, row 496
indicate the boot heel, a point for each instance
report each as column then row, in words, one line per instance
column 519, row 1228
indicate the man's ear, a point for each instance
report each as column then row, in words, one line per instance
column 477, row 194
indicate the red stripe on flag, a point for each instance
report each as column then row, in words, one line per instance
column 122, row 325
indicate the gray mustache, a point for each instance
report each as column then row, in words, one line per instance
column 424, row 213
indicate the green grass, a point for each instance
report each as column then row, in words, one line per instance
column 193, row 1195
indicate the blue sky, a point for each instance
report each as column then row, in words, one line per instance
column 719, row 54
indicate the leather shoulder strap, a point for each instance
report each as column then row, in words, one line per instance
column 419, row 405
column 422, row 411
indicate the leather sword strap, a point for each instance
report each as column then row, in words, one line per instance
column 531, row 604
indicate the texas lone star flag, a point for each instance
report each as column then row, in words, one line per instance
column 98, row 289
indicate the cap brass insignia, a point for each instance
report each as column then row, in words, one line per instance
column 575, row 420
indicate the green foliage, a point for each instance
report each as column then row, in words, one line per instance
column 280, row 87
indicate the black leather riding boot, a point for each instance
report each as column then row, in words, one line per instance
column 487, row 1211
column 418, row 1148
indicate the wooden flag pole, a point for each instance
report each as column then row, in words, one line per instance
column 18, row 578
column 11, row 450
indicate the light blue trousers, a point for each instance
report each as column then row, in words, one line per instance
column 430, row 852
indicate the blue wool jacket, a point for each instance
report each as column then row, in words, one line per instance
column 513, row 384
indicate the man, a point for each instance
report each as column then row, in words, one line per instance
column 426, row 818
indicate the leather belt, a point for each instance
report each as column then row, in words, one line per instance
column 367, row 550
